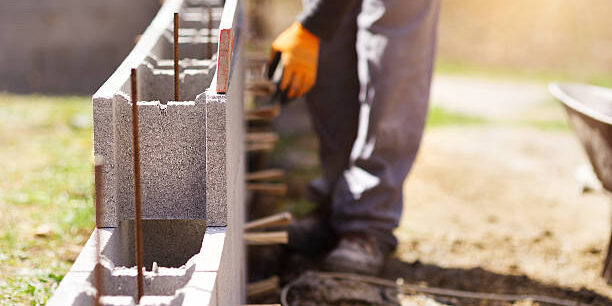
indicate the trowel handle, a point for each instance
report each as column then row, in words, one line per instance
column 273, row 64
column 275, row 74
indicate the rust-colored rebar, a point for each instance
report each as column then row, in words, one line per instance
column 176, row 57
column 137, row 193
column 98, row 198
column 210, row 36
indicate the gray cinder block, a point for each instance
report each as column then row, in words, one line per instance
column 172, row 142
column 216, row 159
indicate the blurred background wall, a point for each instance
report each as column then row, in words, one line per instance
column 67, row 46
column 572, row 37
column 71, row 46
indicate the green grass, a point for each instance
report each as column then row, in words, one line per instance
column 45, row 192
column 447, row 66
column 547, row 125
column 438, row 117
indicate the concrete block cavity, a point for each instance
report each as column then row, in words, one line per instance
column 187, row 64
column 190, row 46
column 187, row 282
column 164, row 286
column 156, row 81
column 197, row 16
column 169, row 243
column 121, row 281
column 202, row 3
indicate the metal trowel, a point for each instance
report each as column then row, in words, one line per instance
column 275, row 74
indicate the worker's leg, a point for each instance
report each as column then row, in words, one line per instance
column 334, row 109
column 333, row 104
column 395, row 51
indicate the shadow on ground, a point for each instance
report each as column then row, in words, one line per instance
column 478, row 279
column 311, row 290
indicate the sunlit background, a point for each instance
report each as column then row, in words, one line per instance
column 493, row 187
column 547, row 39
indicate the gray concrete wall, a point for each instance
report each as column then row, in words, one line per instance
column 67, row 46
column 172, row 135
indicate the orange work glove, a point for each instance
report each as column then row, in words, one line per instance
column 299, row 50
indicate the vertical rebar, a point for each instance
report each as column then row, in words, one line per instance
column 137, row 193
column 98, row 198
column 209, row 33
column 176, row 58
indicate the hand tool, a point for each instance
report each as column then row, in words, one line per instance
column 275, row 74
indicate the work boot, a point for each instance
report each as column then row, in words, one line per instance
column 357, row 253
column 311, row 235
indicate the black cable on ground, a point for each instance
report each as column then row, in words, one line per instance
column 410, row 289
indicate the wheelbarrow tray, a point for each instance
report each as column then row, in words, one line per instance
column 589, row 110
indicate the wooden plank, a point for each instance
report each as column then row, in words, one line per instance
column 261, row 87
column 260, row 147
column 261, row 141
column 260, row 137
column 268, row 285
column 266, row 238
column 278, row 189
column 280, row 219
column 265, row 112
column 269, row 174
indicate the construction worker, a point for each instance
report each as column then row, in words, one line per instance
column 365, row 68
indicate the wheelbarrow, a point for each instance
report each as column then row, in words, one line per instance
column 589, row 110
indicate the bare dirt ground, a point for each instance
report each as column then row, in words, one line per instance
column 503, row 197
column 493, row 208
column 498, row 209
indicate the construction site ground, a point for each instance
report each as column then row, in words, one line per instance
column 492, row 203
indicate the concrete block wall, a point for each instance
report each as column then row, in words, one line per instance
column 192, row 169
column 172, row 133
column 228, row 196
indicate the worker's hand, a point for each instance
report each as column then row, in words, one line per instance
column 299, row 50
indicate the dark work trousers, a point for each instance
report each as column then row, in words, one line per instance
column 368, row 107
